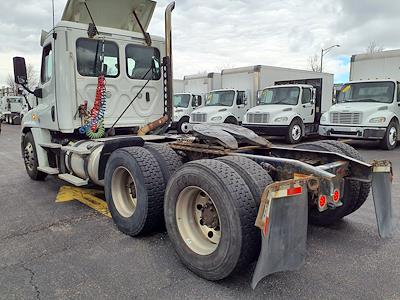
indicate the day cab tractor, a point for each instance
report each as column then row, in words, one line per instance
column 225, row 195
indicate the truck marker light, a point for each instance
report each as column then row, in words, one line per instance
column 294, row 191
column 336, row 196
column 322, row 201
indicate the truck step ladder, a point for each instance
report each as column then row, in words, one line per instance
column 76, row 181
column 49, row 170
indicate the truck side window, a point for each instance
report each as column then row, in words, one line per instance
column 47, row 64
column 240, row 98
column 306, row 98
column 142, row 62
column 196, row 102
column 398, row 92
column 88, row 54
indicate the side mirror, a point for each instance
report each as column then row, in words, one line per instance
column 20, row 76
column 38, row 93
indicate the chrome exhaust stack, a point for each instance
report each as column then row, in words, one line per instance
column 167, row 63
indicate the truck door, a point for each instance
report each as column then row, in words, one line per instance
column 48, row 114
column 307, row 106
column 241, row 105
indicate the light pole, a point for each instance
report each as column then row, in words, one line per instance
column 325, row 51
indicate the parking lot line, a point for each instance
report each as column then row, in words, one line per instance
column 88, row 197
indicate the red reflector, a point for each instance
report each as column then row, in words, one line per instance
column 294, row 191
column 336, row 196
column 322, row 201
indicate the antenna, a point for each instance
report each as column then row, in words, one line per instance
column 52, row 7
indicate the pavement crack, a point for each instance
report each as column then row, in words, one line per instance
column 43, row 227
column 32, row 281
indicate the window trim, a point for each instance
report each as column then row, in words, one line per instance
column 141, row 46
column 105, row 42
column 42, row 81
column 303, row 94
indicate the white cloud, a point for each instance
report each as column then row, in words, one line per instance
column 210, row 35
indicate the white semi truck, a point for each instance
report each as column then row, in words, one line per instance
column 11, row 107
column 368, row 107
column 293, row 105
column 209, row 189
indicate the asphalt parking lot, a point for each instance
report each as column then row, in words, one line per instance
column 54, row 250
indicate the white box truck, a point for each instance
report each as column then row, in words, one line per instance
column 11, row 107
column 191, row 96
column 368, row 107
column 291, row 107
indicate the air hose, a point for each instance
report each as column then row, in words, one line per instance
column 94, row 127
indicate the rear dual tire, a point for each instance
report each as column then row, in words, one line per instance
column 219, row 189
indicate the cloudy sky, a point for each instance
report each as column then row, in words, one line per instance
column 210, row 35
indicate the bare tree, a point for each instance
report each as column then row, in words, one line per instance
column 314, row 63
column 373, row 47
column 32, row 79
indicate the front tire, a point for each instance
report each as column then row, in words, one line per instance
column 182, row 126
column 389, row 141
column 134, row 188
column 231, row 120
column 295, row 132
column 210, row 214
column 30, row 158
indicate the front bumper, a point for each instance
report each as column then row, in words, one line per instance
column 280, row 130
column 372, row 133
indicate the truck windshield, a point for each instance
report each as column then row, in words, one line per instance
column 367, row 92
column 181, row 100
column 220, row 98
column 281, row 95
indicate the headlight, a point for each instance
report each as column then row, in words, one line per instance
column 219, row 118
column 281, row 119
column 378, row 120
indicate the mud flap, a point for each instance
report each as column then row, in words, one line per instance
column 282, row 218
column 382, row 194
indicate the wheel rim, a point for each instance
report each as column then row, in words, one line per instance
column 198, row 220
column 29, row 156
column 185, row 127
column 296, row 132
column 392, row 136
column 123, row 191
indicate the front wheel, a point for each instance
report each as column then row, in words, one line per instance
column 30, row 158
column 182, row 126
column 389, row 141
column 295, row 132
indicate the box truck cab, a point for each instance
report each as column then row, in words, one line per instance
column 365, row 110
column 368, row 106
column 184, row 105
column 284, row 110
column 11, row 107
column 222, row 106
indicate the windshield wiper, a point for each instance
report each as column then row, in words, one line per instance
column 363, row 100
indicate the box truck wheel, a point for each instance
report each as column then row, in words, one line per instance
column 134, row 188
column 30, row 158
column 365, row 187
column 210, row 214
column 350, row 194
column 231, row 120
column 295, row 132
column 182, row 126
column 389, row 141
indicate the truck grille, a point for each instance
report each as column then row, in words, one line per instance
column 199, row 118
column 257, row 118
column 346, row 118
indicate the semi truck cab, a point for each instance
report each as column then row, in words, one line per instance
column 365, row 110
column 287, row 110
column 184, row 105
column 222, row 106
column 11, row 107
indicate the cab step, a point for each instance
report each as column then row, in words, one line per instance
column 76, row 181
column 49, row 170
column 50, row 145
